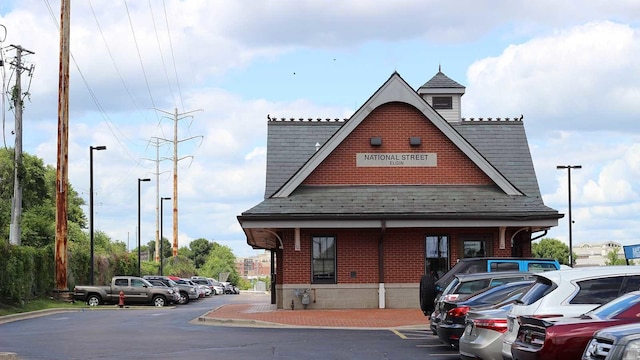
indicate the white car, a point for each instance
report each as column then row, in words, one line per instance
column 570, row 292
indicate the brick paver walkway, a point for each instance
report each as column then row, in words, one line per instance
column 350, row 318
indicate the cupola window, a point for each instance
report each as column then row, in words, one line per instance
column 442, row 102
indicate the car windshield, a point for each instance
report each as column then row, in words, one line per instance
column 172, row 283
column 616, row 306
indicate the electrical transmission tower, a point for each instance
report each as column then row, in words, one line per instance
column 175, row 116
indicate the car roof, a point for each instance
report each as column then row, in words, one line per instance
column 589, row 271
column 507, row 258
column 493, row 274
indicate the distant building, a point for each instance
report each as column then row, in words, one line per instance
column 596, row 254
column 255, row 266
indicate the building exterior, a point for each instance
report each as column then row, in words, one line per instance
column 357, row 210
column 254, row 267
column 596, row 254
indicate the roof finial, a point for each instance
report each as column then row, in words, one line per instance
column 439, row 67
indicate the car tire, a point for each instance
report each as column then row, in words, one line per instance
column 184, row 298
column 427, row 294
column 94, row 300
column 159, row 301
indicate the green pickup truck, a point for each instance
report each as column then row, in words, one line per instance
column 136, row 290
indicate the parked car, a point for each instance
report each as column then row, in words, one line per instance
column 218, row 286
column 136, row 291
column 453, row 315
column 463, row 285
column 566, row 337
column 185, row 292
column 433, row 284
column 188, row 290
column 214, row 286
column 484, row 332
column 570, row 293
column 175, row 293
column 621, row 342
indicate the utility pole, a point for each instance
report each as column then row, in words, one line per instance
column 157, row 174
column 62, row 171
column 18, row 168
column 176, row 117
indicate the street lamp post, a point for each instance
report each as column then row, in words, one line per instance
column 569, row 167
column 139, row 262
column 161, row 247
column 91, row 148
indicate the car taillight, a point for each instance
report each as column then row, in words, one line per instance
column 459, row 311
column 499, row 325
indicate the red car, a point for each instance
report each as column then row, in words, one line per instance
column 566, row 337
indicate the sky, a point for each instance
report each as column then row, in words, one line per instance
column 570, row 68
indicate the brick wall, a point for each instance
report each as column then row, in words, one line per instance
column 396, row 123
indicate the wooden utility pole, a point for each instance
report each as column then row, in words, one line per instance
column 62, row 153
column 18, row 173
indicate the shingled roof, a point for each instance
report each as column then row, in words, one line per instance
column 499, row 147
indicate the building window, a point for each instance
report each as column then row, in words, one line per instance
column 478, row 246
column 437, row 257
column 442, row 102
column 323, row 260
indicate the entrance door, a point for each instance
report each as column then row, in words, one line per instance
column 437, row 256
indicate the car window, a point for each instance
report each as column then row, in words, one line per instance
column 501, row 281
column 137, row 283
column 598, row 291
column 537, row 267
column 616, row 306
column 505, row 266
column 540, row 288
column 470, row 287
column 632, row 284
column 121, row 282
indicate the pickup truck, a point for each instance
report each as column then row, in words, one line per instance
column 136, row 291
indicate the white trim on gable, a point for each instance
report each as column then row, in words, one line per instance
column 396, row 90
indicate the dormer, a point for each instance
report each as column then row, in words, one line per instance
column 444, row 95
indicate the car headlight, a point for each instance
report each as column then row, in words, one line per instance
column 170, row 291
column 632, row 350
column 192, row 290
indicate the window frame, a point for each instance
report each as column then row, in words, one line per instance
column 442, row 102
column 329, row 279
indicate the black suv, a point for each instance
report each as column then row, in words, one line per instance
column 431, row 286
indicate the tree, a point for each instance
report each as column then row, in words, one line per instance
column 553, row 249
column 613, row 259
column 200, row 249
column 38, row 200
column 221, row 260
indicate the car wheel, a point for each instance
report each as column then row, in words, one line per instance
column 159, row 301
column 94, row 300
column 427, row 294
column 184, row 298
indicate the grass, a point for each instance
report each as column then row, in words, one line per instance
column 39, row 304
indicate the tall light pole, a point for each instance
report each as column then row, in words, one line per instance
column 569, row 167
column 91, row 148
column 139, row 262
column 161, row 247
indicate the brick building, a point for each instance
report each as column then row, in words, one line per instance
column 356, row 210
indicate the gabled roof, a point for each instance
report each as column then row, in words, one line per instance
column 395, row 89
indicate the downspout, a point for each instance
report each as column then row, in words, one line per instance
column 381, row 289
column 538, row 237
